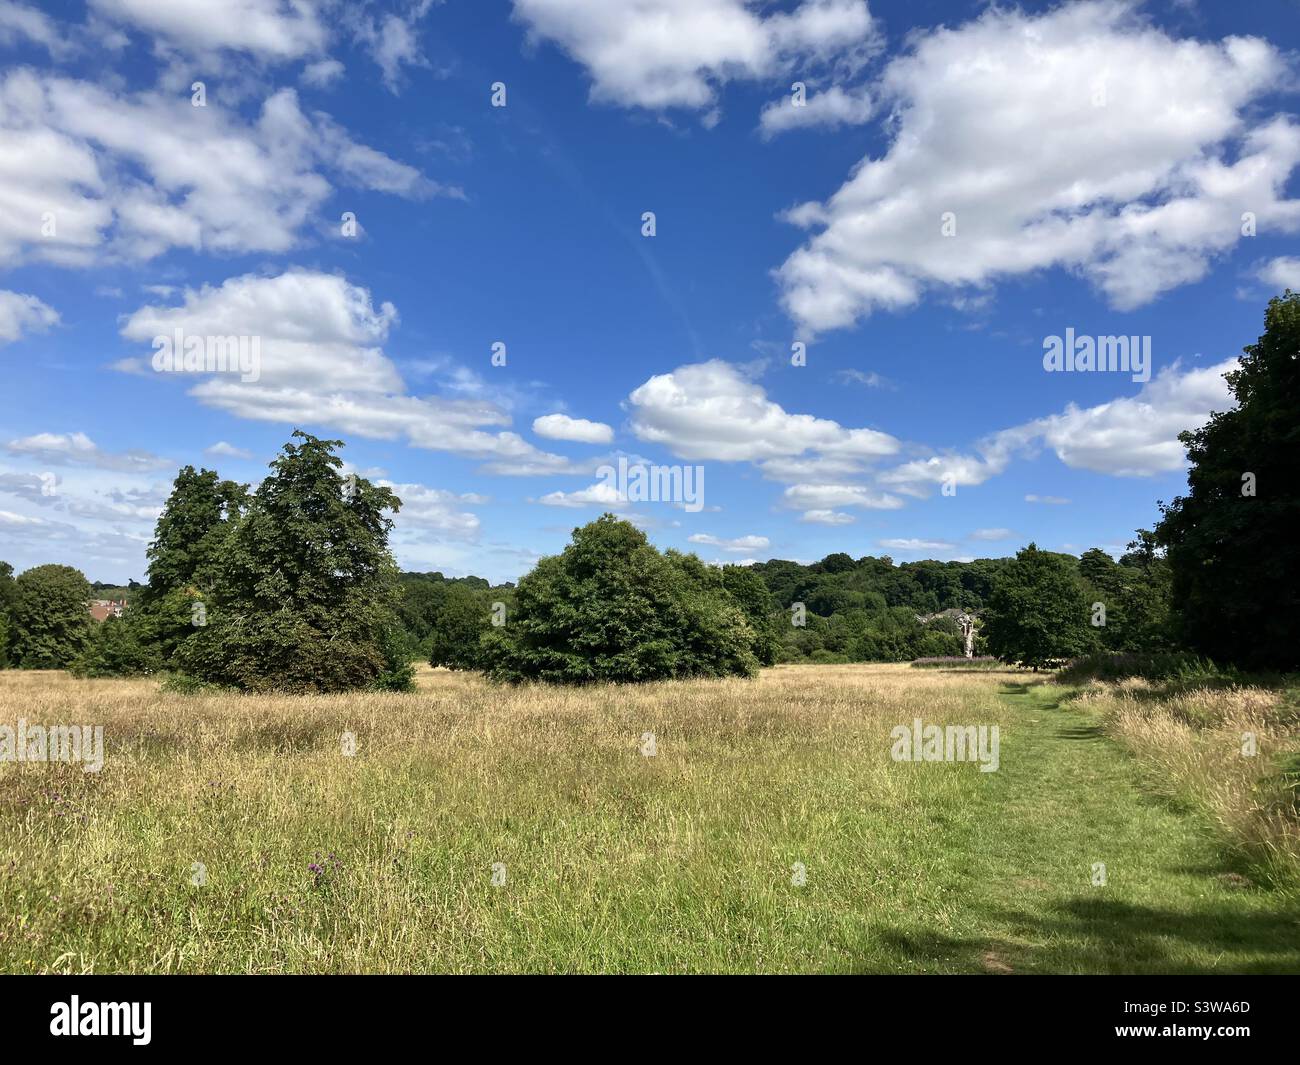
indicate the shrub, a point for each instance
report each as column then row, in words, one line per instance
column 959, row 662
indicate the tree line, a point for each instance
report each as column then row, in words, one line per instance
column 292, row 586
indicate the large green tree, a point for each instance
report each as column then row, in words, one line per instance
column 612, row 608
column 51, row 617
column 1231, row 540
column 1038, row 614
column 305, row 591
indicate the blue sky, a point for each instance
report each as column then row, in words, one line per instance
column 1113, row 169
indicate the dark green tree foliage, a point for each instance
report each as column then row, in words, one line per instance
column 461, row 621
column 868, row 610
column 1135, row 594
column 8, row 600
column 51, row 617
column 185, row 556
column 612, row 608
column 1232, row 554
column 116, row 650
column 305, row 591
column 764, row 616
column 1038, row 615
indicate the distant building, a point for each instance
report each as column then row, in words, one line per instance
column 103, row 609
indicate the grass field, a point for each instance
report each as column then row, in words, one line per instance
column 618, row 862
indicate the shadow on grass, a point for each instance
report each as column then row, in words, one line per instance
column 1106, row 935
column 1080, row 732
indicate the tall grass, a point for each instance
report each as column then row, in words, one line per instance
column 613, row 861
column 1229, row 750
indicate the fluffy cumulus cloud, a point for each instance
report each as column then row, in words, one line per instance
column 1082, row 138
column 562, row 427
column 677, row 53
column 601, row 494
column 319, row 341
column 21, row 314
column 87, row 173
column 277, row 31
column 273, row 29
column 828, row 109
column 1282, row 273
column 434, row 511
column 1132, row 436
column 712, row 410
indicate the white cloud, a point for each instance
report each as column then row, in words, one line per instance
column 870, row 379
column 677, row 53
column 1282, row 273
column 392, row 40
column 991, row 534
column 912, row 544
column 1137, row 436
column 272, row 29
column 738, row 544
column 322, row 73
column 997, row 122
column 600, row 494
column 711, row 410
column 322, row 363
column 1056, row 501
column 19, row 22
column 1133, row 436
column 21, row 314
column 77, row 449
column 562, row 427
column 827, row 517
column 223, row 449
column 820, row 497
column 827, row 109
column 436, row 510
column 88, row 174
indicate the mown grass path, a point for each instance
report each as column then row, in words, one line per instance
column 1066, row 798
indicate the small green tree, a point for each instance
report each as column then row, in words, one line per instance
column 612, row 608
column 51, row 617
column 305, row 593
column 1037, row 614
column 460, row 622
column 115, row 650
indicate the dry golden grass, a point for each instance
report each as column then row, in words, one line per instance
column 615, row 862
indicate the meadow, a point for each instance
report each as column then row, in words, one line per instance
column 478, row 828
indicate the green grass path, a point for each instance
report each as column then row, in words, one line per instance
column 1065, row 798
